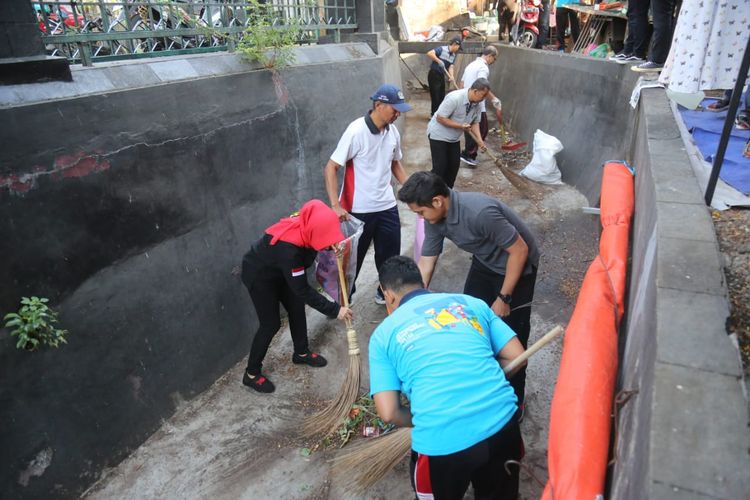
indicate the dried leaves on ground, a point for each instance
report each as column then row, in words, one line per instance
column 733, row 232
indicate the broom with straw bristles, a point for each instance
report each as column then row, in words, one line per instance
column 329, row 419
column 527, row 188
column 364, row 463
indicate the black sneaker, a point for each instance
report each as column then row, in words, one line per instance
column 648, row 67
column 259, row 382
column 617, row 57
column 632, row 58
column 742, row 121
column 469, row 161
column 312, row 359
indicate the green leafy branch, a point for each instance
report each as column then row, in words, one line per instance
column 270, row 43
column 33, row 324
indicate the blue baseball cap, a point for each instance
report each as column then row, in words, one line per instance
column 390, row 94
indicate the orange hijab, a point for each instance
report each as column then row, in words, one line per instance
column 315, row 226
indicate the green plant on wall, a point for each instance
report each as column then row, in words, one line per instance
column 271, row 34
column 33, row 324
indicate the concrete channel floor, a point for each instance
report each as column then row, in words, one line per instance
column 231, row 442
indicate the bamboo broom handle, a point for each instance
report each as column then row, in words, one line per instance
column 487, row 151
column 555, row 332
column 455, row 85
column 351, row 334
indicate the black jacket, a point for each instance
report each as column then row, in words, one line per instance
column 284, row 261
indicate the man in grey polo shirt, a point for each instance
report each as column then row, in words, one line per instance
column 505, row 253
column 459, row 112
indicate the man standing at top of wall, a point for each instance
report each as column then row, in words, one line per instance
column 479, row 68
column 458, row 113
column 371, row 151
column 442, row 62
column 504, row 252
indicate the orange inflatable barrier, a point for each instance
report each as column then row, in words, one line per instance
column 582, row 403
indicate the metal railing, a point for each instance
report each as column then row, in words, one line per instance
column 86, row 31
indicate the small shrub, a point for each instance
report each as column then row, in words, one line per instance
column 33, row 325
column 267, row 42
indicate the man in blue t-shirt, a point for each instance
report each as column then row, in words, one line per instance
column 442, row 62
column 445, row 352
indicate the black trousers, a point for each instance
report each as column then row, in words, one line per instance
column 446, row 159
column 562, row 16
column 384, row 230
column 436, row 82
column 471, row 147
column 637, row 41
column 662, row 12
column 267, row 294
column 484, row 284
column 481, row 465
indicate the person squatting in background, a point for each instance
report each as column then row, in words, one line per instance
column 458, row 113
column 505, row 256
column 479, row 68
column 273, row 270
column 443, row 59
column 446, row 353
column 370, row 148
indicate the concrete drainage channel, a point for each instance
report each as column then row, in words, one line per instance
column 227, row 443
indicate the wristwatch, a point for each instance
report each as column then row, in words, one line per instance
column 505, row 298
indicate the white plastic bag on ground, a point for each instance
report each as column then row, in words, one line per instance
column 543, row 166
column 436, row 33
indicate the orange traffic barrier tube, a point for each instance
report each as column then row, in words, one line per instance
column 581, row 411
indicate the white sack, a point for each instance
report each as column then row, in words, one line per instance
column 543, row 166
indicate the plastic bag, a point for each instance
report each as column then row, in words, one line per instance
column 326, row 268
column 601, row 51
column 543, row 166
column 435, row 34
column 418, row 238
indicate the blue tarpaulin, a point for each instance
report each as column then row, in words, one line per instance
column 706, row 127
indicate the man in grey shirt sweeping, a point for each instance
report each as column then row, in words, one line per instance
column 459, row 112
column 505, row 253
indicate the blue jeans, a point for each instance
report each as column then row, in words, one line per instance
column 384, row 229
column 543, row 24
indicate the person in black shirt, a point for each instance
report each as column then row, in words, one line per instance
column 274, row 273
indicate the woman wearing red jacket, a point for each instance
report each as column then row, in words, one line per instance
column 274, row 273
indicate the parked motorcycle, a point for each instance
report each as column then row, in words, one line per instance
column 525, row 31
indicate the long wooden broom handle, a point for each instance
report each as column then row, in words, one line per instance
column 455, row 85
column 487, row 151
column 555, row 332
column 351, row 334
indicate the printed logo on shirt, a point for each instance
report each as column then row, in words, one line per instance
column 450, row 317
column 298, row 271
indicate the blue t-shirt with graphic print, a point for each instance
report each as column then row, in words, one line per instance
column 441, row 351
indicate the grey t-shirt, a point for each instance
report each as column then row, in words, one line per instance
column 457, row 107
column 482, row 226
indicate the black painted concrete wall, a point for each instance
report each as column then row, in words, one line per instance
column 130, row 209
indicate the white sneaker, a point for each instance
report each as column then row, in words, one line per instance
column 379, row 300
